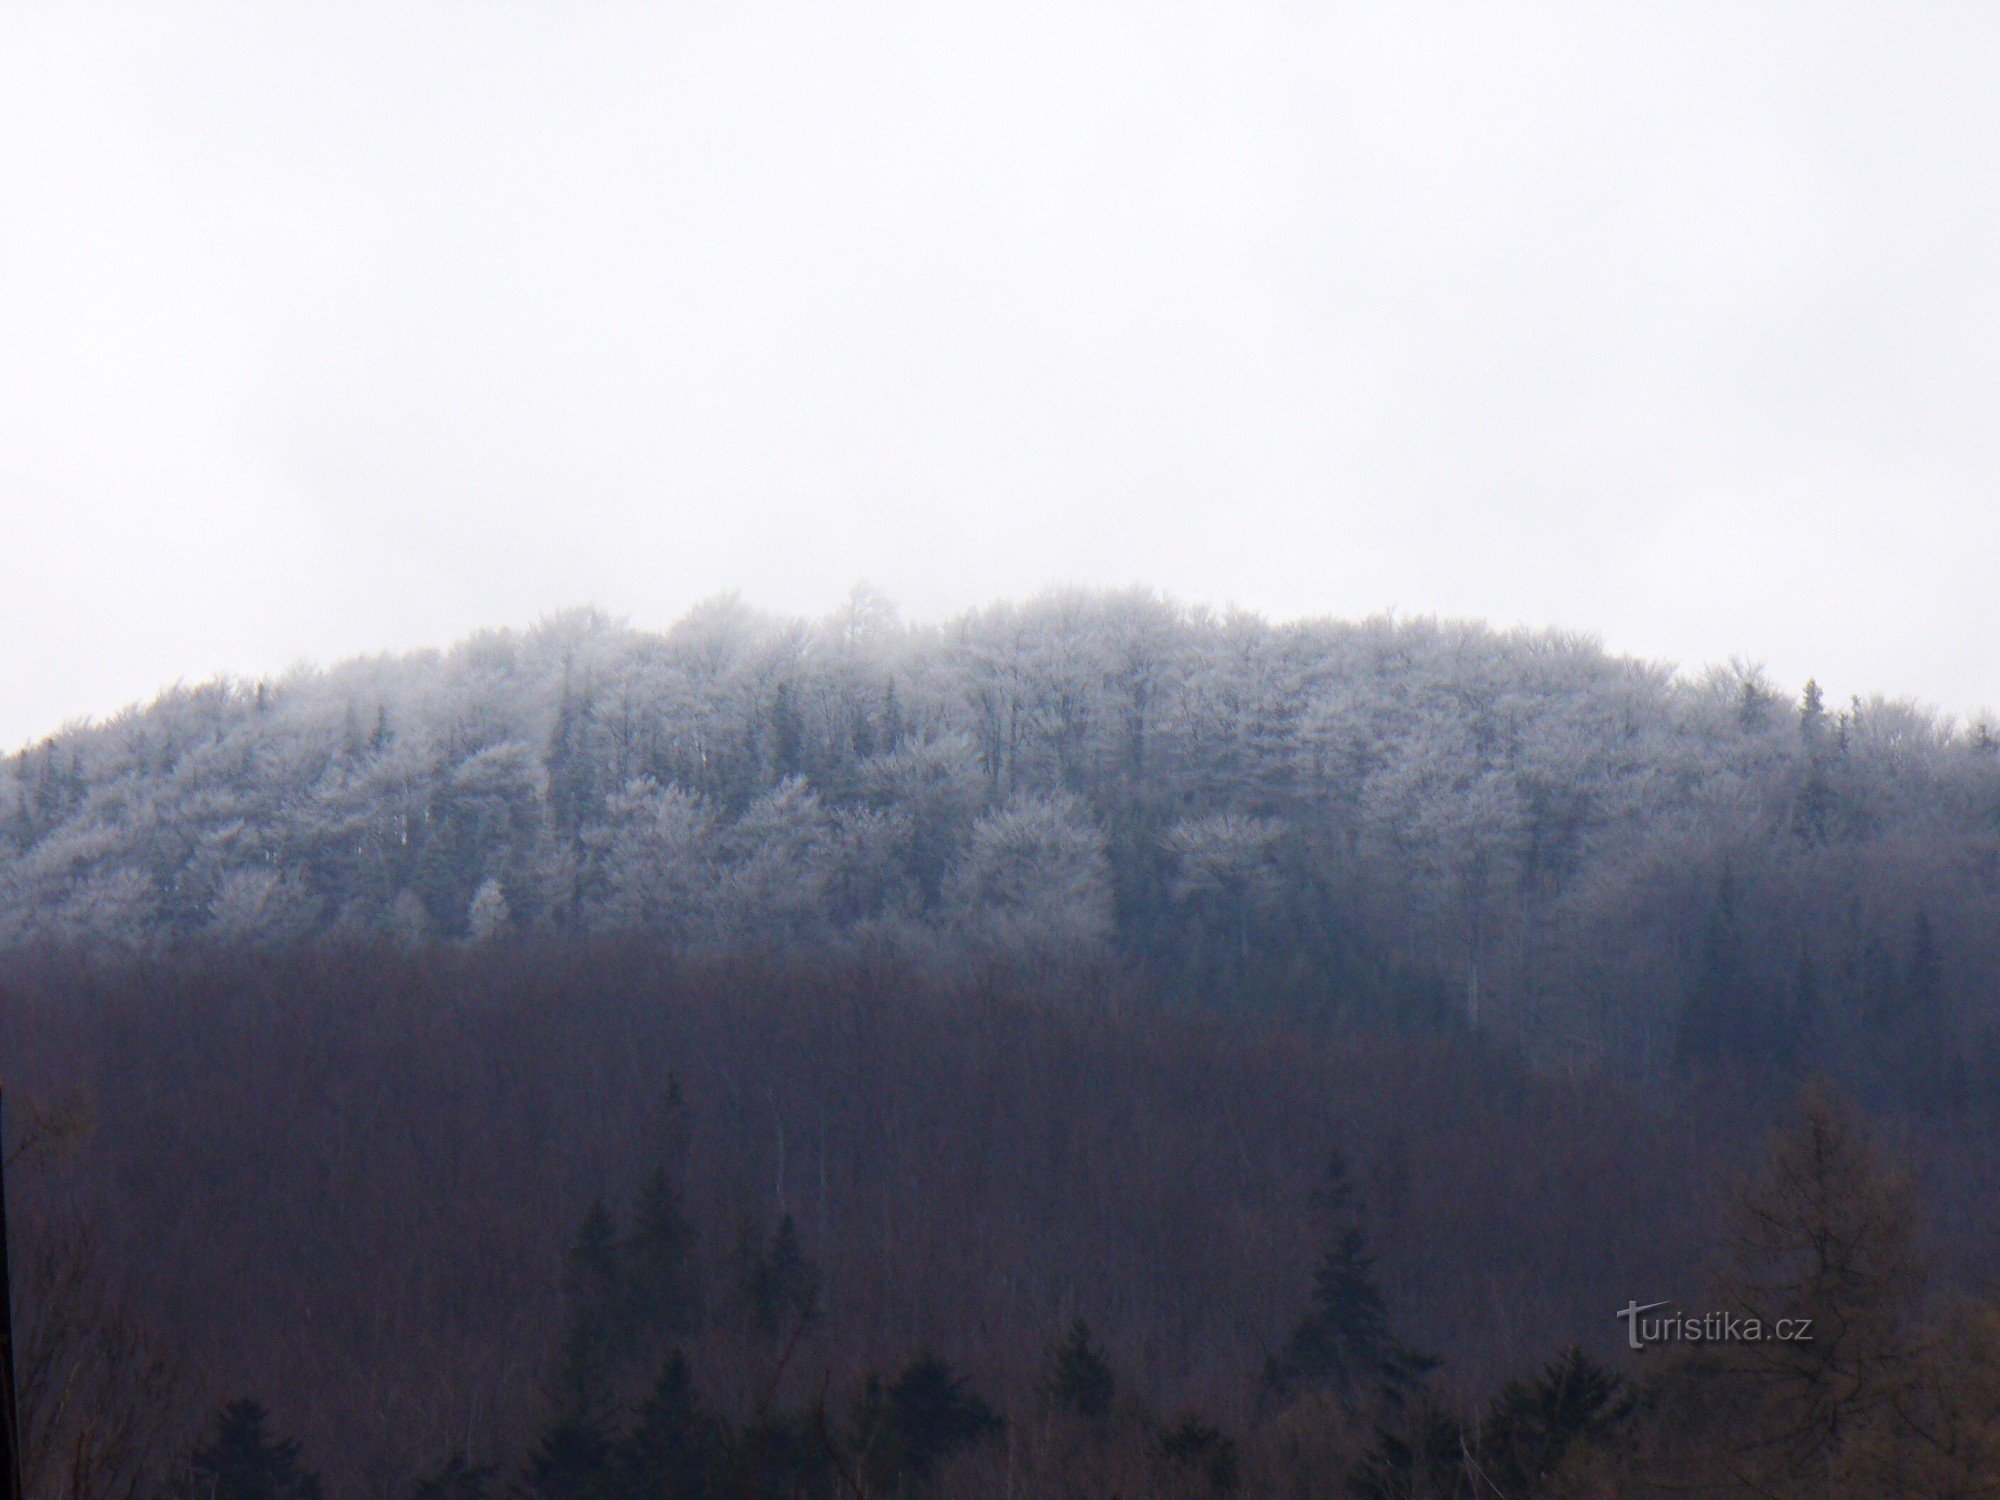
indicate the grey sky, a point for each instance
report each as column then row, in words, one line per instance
column 325, row 329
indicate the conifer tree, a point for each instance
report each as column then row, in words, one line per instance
column 241, row 1461
column 1342, row 1343
column 1422, row 1456
column 1823, row 1243
column 1534, row 1425
column 1079, row 1379
column 457, row 1478
column 676, row 1449
column 1196, row 1456
column 593, row 1288
column 907, row 1427
column 777, row 1286
column 661, row 1295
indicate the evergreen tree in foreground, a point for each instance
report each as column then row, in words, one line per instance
column 1079, row 1379
column 624, row 1295
column 1195, row 1457
column 1825, row 1238
column 593, row 1289
column 242, row 1462
column 661, row 1296
column 1423, row 1457
column 909, row 1426
column 777, row 1288
column 676, row 1449
column 456, row 1479
column 572, row 1461
column 1534, row 1425
column 1342, row 1344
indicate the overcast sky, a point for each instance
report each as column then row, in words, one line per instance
column 332, row 328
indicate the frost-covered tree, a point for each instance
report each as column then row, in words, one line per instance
column 1033, row 883
column 1392, row 818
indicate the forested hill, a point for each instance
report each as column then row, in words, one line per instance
column 1405, row 820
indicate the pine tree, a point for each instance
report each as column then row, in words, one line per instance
column 1733, row 1015
column 456, row 1479
column 593, row 1331
column 1342, row 1343
column 1813, row 810
column 1196, row 1455
column 573, row 1459
column 676, row 1450
column 1533, row 1425
column 1422, row 1456
column 909, row 1426
column 777, row 1287
column 662, row 1298
column 1812, row 714
column 1079, row 1379
column 240, row 1461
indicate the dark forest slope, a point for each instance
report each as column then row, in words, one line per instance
column 357, row 1185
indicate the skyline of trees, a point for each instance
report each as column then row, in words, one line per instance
column 1402, row 822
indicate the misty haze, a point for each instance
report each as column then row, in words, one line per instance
column 1015, row 753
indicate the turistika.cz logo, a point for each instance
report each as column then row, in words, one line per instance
column 1677, row 1327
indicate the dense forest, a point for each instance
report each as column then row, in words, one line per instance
column 1091, row 1048
column 1400, row 822
column 577, row 1221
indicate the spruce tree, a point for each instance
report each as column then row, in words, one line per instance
column 240, row 1461
column 660, row 1293
column 1533, row 1425
column 1825, row 1239
column 1342, row 1343
column 1196, row 1454
column 1420, row 1457
column 909, row 1426
column 456, row 1479
column 572, row 1458
column 592, row 1287
column 676, row 1449
column 1079, row 1379
column 777, row 1286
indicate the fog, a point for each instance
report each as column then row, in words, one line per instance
column 347, row 328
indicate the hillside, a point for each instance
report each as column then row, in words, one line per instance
column 1409, row 822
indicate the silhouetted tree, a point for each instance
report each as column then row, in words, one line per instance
column 1534, row 1424
column 905, row 1428
column 676, row 1449
column 1079, row 1379
column 1196, row 1456
column 1422, row 1456
column 241, row 1461
column 457, row 1478
column 1342, row 1343
column 777, row 1286
column 595, row 1330
column 662, row 1295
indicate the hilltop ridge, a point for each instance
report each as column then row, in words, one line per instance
column 1402, row 820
